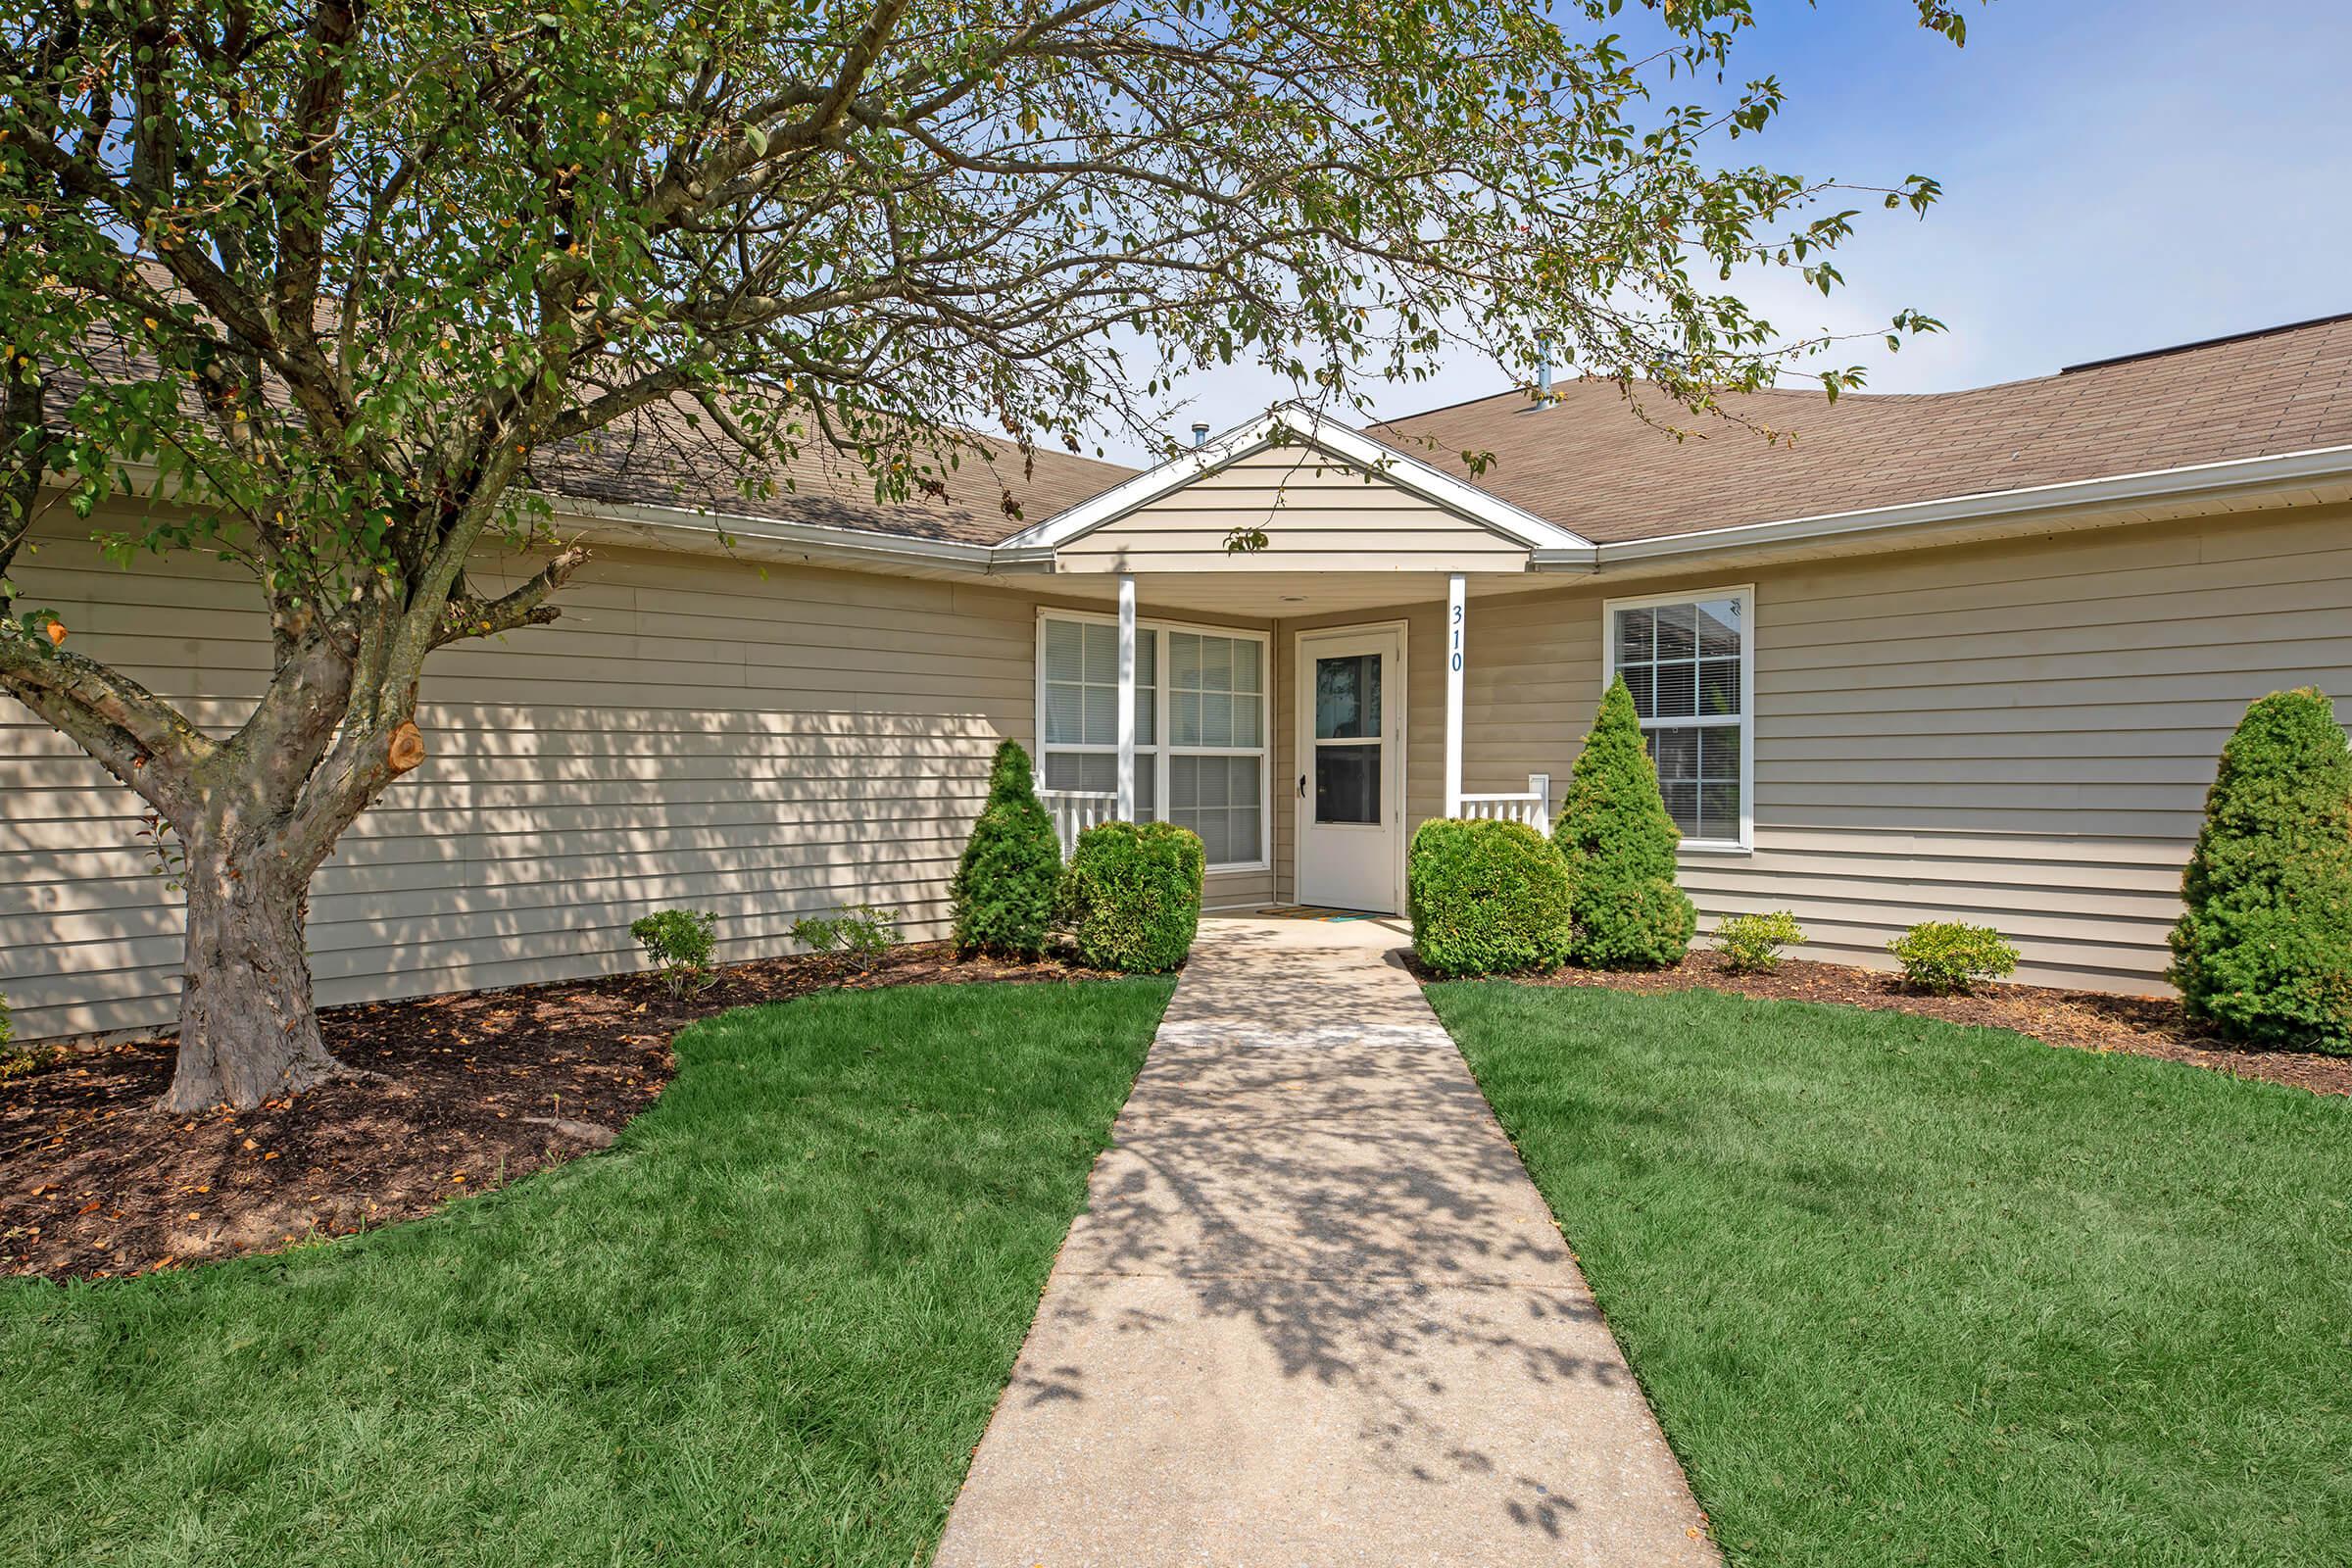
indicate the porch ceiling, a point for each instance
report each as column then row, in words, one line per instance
column 1282, row 596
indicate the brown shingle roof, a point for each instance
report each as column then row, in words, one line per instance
column 659, row 457
column 672, row 455
column 1588, row 464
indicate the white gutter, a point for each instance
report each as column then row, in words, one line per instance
column 2202, row 481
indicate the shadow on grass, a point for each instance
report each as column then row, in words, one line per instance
column 1905, row 1292
column 767, row 1327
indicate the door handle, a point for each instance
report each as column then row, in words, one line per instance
column 1302, row 786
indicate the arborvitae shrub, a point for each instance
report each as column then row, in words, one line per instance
column 2265, row 948
column 1132, row 895
column 1487, row 898
column 1003, row 894
column 1618, row 842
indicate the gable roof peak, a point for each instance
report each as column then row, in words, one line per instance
column 1295, row 422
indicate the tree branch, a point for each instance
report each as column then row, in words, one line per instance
column 137, row 736
column 470, row 615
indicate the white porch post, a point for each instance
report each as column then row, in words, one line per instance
column 1457, row 613
column 1126, row 697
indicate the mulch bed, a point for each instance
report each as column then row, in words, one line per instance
column 2083, row 1020
column 460, row 1094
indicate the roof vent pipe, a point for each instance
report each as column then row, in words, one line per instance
column 1199, row 432
column 1543, row 373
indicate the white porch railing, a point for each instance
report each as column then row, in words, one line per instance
column 1532, row 807
column 1075, row 810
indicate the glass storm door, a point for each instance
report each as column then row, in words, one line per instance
column 1351, row 784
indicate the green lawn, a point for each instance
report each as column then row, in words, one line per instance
column 767, row 1328
column 1906, row 1293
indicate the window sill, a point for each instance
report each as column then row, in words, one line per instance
column 1713, row 847
column 1242, row 869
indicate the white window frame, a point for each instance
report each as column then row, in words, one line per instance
column 1164, row 743
column 1745, row 594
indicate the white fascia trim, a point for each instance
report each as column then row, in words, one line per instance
column 700, row 532
column 1318, row 431
column 2190, row 482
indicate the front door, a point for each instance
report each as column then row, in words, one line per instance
column 1350, row 791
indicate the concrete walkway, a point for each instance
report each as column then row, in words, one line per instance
column 1316, row 1313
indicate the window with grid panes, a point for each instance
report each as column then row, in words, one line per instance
column 1201, row 742
column 1080, row 724
column 1217, row 743
column 1685, row 664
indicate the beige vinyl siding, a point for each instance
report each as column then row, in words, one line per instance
column 1239, row 890
column 1318, row 515
column 692, row 733
column 2019, row 735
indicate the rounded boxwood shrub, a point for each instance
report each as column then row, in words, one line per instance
column 1002, row 894
column 1486, row 897
column 1950, row 957
column 1751, row 944
column 1132, row 895
column 1618, row 842
column 2265, row 948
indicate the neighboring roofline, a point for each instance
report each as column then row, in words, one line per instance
column 2206, row 343
column 2024, row 504
column 1319, row 433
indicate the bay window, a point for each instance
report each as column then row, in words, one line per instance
column 1687, row 659
column 1200, row 725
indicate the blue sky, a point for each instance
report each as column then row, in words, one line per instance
column 2119, row 175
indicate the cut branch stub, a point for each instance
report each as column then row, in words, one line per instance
column 407, row 747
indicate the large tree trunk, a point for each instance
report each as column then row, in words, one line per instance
column 248, row 1031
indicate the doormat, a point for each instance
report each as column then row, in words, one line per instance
column 1300, row 912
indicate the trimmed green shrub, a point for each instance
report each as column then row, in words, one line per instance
column 1486, row 897
column 858, row 932
column 1948, row 956
column 1132, row 895
column 680, row 944
column 2265, row 948
column 8, row 1028
column 1751, row 944
column 1618, row 842
column 1002, row 894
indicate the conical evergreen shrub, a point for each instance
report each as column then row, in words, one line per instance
column 2265, row 948
column 1618, row 841
column 1004, row 886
